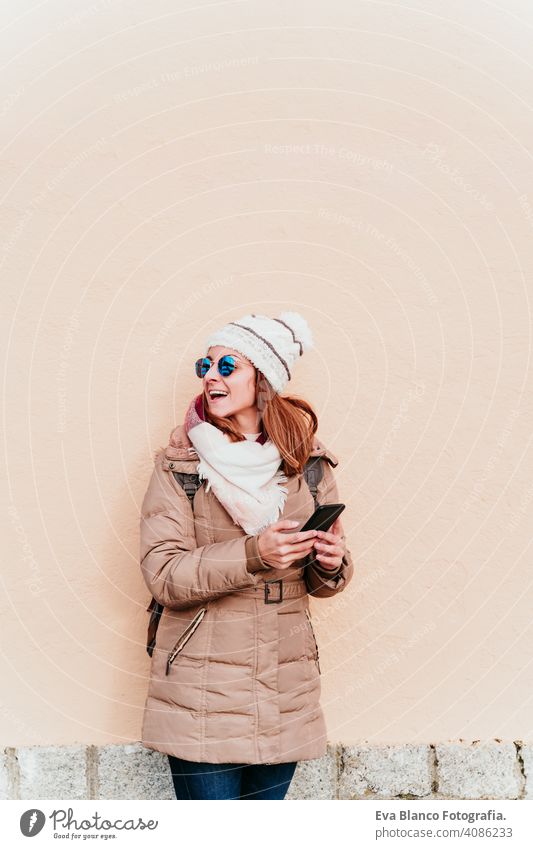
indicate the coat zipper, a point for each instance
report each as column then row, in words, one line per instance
column 314, row 638
column 185, row 636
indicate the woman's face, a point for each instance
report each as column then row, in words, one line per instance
column 239, row 385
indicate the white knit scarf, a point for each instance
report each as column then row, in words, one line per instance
column 244, row 476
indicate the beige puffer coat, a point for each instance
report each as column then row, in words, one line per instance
column 234, row 677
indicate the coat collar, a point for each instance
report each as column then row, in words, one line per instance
column 179, row 443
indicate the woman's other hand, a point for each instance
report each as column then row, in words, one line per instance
column 330, row 546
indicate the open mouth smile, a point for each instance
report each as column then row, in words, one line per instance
column 216, row 395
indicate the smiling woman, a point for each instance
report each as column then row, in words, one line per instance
column 235, row 677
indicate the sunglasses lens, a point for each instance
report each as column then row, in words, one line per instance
column 202, row 366
column 226, row 365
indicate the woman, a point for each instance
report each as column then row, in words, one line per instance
column 234, row 686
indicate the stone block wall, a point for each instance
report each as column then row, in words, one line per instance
column 458, row 770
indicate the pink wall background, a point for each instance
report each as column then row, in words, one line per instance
column 166, row 169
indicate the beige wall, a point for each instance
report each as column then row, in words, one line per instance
column 165, row 170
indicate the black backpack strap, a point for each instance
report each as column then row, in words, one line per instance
column 190, row 483
column 313, row 472
column 157, row 610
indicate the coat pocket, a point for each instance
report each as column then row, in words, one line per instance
column 184, row 637
column 314, row 639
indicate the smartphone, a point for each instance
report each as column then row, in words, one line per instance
column 323, row 517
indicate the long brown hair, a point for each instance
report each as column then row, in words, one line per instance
column 290, row 422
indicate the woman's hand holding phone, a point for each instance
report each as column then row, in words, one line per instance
column 280, row 550
column 330, row 546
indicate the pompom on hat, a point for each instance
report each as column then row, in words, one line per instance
column 272, row 344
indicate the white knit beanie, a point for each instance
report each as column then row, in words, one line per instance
column 271, row 344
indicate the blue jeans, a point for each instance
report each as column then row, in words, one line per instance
column 230, row 781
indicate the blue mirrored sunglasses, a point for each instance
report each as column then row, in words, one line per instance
column 226, row 365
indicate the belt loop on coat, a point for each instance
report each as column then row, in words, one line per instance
column 267, row 591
